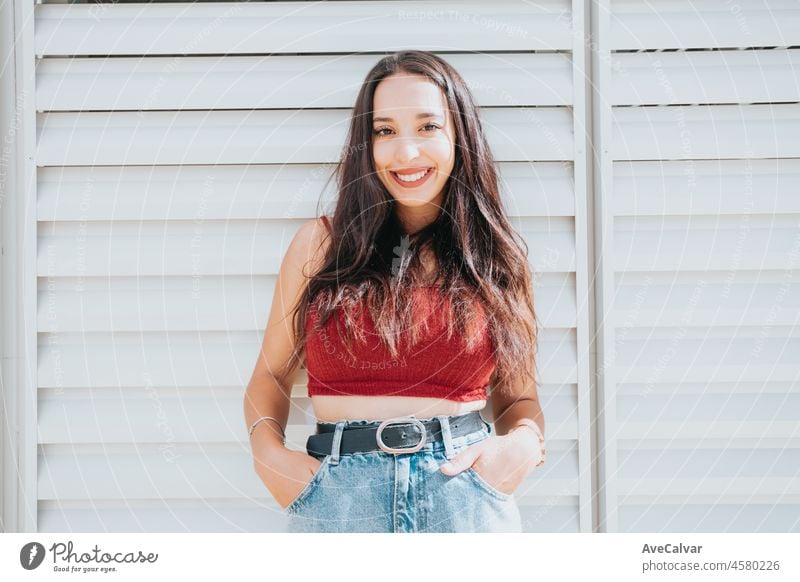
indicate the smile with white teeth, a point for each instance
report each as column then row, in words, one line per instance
column 412, row 177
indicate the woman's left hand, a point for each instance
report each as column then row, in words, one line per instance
column 503, row 461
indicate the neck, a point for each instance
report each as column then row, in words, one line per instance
column 415, row 219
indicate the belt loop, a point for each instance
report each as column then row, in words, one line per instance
column 447, row 439
column 337, row 441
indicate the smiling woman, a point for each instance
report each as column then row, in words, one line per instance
column 413, row 148
column 408, row 304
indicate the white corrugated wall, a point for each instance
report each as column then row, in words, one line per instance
column 168, row 188
column 700, row 230
column 178, row 147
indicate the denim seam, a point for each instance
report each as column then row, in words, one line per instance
column 394, row 497
column 308, row 489
column 486, row 486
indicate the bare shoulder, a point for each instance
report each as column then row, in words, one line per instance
column 302, row 260
column 308, row 248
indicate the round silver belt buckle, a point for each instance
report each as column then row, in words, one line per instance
column 400, row 420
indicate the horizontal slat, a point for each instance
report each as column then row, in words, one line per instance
column 750, row 76
column 728, row 500
column 157, row 414
column 653, row 446
column 678, row 514
column 264, row 136
column 272, row 27
column 207, row 360
column 720, row 487
column 706, row 132
column 683, row 358
column 179, row 474
column 301, row 414
column 546, row 513
column 293, row 82
column 552, row 513
column 159, row 516
column 183, row 304
column 706, row 243
column 254, row 191
column 549, row 515
column 220, row 247
column 732, row 462
column 695, row 187
column 723, row 303
column 726, row 388
column 740, row 429
column 703, row 24
column 712, row 408
column 189, row 473
column 165, row 420
column 733, row 514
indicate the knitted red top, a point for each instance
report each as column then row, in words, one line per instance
column 435, row 367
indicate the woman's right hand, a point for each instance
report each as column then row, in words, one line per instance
column 285, row 472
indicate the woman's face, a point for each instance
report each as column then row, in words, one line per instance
column 413, row 144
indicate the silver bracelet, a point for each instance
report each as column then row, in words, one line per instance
column 532, row 425
column 253, row 426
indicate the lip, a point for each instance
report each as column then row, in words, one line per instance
column 405, row 171
column 416, row 184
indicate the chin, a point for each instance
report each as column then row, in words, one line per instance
column 413, row 202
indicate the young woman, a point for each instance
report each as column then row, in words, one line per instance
column 412, row 300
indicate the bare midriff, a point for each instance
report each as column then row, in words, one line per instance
column 335, row 408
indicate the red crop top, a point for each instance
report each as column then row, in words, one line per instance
column 435, row 367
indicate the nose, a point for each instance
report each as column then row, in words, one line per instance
column 407, row 150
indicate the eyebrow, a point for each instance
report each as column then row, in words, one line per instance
column 425, row 115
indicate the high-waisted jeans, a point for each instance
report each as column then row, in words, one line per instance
column 377, row 491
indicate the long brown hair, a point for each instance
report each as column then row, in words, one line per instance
column 371, row 263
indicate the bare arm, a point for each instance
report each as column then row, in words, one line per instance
column 267, row 394
column 517, row 408
column 509, row 412
column 518, row 405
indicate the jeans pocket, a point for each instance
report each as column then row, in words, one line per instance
column 484, row 485
column 309, row 488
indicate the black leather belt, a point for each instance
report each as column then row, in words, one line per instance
column 404, row 434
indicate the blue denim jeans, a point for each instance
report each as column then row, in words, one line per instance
column 376, row 491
